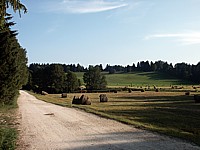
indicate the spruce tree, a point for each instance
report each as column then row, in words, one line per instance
column 13, row 69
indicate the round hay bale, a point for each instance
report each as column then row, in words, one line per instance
column 88, row 102
column 76, row 100
column 187, row 93
column 44, row 93
column 197, row 98
column 115, row 91
column 83, row 99
column 64, row 95
column 103, row 98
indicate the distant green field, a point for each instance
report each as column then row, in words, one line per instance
column 139, row 79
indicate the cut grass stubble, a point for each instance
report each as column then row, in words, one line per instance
column 170, row 113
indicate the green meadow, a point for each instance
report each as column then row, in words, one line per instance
column 139, row 79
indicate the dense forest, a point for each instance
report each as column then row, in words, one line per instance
column 57, row 78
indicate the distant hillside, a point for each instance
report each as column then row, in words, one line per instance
column 140, row 79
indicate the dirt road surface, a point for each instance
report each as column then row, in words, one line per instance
column 46, row 126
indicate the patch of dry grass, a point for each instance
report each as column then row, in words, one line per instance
column 170, row 113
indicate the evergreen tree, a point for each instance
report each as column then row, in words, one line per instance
column 13, row 69
column 14, row 4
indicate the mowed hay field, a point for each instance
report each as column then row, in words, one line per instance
column 170, row 113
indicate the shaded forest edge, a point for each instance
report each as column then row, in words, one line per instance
column 59, row 78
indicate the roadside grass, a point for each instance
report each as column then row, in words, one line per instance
column 170, row 113
column 135, row 79
column 8, row 131
column 55, row 99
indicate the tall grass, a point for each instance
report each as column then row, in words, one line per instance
column 8, row 131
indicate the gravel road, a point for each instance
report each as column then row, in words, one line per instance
column 46, row 126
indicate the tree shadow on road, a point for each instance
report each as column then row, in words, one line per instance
column 135, row 140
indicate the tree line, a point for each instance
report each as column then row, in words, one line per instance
column 182, row 70
column 58, row 78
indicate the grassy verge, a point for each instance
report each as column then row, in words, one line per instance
column 170, row 113
column 8, row 131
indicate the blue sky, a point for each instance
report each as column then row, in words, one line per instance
column 112, row 32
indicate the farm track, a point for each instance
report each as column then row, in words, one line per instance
column 46, row 126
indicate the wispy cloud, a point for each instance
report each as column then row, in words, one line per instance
column 85, row 6
column 188, row 38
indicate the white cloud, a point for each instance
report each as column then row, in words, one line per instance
column 188, row 38
column 85, row 6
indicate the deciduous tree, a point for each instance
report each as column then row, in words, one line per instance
column 72, row 82
column 93, row 79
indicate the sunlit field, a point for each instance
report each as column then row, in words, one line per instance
column 170, row 113
column 139, row 79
